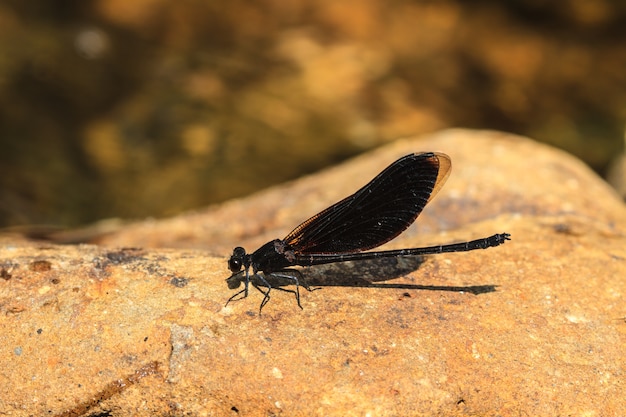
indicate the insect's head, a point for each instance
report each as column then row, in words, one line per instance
column 237, row 259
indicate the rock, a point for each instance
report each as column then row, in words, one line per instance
column 534, row 327
column 616, row 175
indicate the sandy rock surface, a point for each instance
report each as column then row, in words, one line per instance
column 135, row 323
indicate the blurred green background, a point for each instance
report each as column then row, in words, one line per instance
column 116, row 108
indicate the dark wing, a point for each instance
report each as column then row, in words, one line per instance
column 378, row 212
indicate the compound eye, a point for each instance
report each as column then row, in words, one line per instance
column 234, row 264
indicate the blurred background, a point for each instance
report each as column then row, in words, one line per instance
column 127, row 109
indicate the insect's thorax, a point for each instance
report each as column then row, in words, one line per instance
column 275, row 255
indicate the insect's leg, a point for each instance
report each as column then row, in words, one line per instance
column 237, row 296
column 234, row 297
column 303, row 282
column 266, row 294
column 295, row 292
column 292, row 275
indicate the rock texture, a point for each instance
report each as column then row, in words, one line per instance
column 534, row 327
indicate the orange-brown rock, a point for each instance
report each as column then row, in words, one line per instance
column 136, row 325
